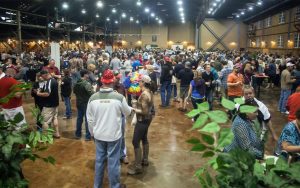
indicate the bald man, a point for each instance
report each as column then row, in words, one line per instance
column 264, row 116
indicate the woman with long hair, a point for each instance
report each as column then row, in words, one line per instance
column 196, row 90
column 143, row 110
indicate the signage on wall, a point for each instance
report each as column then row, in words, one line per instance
column 177, row 47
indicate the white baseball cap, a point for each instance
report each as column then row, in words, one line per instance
column 289, row 64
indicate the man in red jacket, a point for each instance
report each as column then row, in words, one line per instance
column 14, row 105
column 293, row 104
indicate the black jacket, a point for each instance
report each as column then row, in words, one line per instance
column 66, row 87
column 166, row 73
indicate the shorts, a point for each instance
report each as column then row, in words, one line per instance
column 9, row 114
column 49, row 114
column 184, row 92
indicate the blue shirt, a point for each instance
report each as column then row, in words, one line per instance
column 195, row 93
column 245, row 138
column 289, row 134
column 135, row 65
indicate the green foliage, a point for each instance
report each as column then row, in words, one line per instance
column 237, row 168
column 19, row 143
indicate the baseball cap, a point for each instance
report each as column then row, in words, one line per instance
column 108, row 77
column 146, row 79
column 289, row 64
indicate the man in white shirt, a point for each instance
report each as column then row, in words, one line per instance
column 104, row 115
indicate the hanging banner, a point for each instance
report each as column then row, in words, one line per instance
column 55, row 53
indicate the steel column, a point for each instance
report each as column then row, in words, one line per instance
column 19, row 28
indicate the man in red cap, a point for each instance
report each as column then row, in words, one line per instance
column 165, row 81
column 104, row 115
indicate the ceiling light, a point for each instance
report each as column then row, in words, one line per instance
column 242, row 13
column 218, row 0
column 210, row 9
column 152, row 14
column 137, row 22
column 179, row 2
column 214, row 4
column 97, row 15
column 180, row 9
column 156, row 18
column 65, row 5
column 131, row 19
column 113, row 10
column 147, row 10
column 83, row 11
column 99, row 4
column 183, row 21
column 209, row 12
column 107, row 19
column 237, row 16
column 116, row 22
column 123, row 15
column 259, row 3
column 182, row 14
column 160, row 21
column 250, row 8
column 139, row 3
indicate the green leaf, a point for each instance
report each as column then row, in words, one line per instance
column 259, row 169
column 212, row 127
column 281, row 164
column 247, row 109
column 208, row 154
column 31, row 136
column 208, row 139
column 199, row 172
column 239, row 101
column 18, row 118
column 227, row 104
column 193, row 113
column 202, row 107
column 201, row 120
column 217, row 116
column 51, row 160
column 193, row 141
column 213, row 163
column 198, row 147
column 208, row 179
column 15, row 139
column 225, row 138
column 6, row 150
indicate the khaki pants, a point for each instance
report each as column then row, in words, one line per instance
column 50, row 116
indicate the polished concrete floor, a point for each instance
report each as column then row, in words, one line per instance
column 171, row 163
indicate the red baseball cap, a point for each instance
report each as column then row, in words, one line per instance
column 107, row 77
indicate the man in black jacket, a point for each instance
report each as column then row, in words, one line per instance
column 165, row 81
column 186, row 75
column 66, row 90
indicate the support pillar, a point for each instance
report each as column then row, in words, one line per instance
column 19, row 32
column 83, row 36
column 238, row 35
column 47, row 28
column 197, row 39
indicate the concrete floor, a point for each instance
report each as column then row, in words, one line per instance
column 171, row 163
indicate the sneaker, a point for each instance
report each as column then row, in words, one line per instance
column 286, row 112
column 77, row 137
column 65, row 117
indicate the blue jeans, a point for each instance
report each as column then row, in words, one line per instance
column 284, row 95
column 68, row 107
column 81, row 112
column 123, row 146
column 209, row 97
column 111, row 152
column 174, row 89
column 165, row 99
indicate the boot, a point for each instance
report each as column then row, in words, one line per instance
column 136, row 166
column 145, row 155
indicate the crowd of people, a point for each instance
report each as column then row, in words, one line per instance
column 124, row 83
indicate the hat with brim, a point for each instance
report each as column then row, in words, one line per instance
column 107, row 77
column 290, row 64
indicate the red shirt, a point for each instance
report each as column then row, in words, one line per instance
column 51, row 70
column 6, row 84
column 293, row 104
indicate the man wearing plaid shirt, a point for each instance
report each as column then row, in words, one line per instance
column 223, row 78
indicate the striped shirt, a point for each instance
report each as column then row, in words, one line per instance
column 224, row 75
